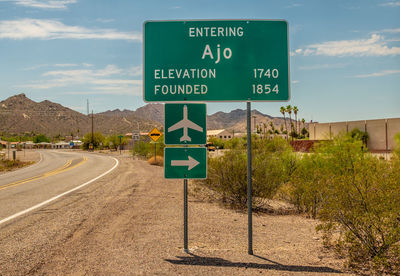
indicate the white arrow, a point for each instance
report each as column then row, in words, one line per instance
column 191, row 163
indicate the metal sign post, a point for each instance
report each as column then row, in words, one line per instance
column 185, row 216
column 249, row 183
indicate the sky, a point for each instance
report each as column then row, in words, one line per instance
column 344, row 55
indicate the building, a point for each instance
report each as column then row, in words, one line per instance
column 219, row 133
column 381, row 132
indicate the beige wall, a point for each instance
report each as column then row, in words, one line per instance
column 393, row 127
column 377, row 134
column 356, row 124
column 381, row 132
column 322, row 131
column 337, row 128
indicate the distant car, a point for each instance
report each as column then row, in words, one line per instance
column 210, row 147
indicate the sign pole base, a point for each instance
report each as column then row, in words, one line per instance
column 185, row 216
column 249, row 183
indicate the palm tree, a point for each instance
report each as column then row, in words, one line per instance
column 295, row 110
column 271, row 124
column 289, row 110
column 283, row 111
column 304, row 122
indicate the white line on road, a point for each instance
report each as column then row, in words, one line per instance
column 58, row 196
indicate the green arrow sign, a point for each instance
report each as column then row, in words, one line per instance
column 235, row 60
column 185, row 124
column 185, row 163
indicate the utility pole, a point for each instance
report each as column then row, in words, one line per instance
column 92, row 132
column 87, row 105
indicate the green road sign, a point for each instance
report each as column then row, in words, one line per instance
column 221, row 60
column 185, row 162
column 185, row 124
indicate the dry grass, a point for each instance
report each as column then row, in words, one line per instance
column 158, row 161
column 9, row 165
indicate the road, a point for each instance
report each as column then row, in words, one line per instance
column 129, row 222
column 57, row 172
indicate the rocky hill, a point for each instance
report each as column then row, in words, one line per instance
column 19, row 115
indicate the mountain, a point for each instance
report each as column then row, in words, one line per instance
column 19, row 115
column 236, row 120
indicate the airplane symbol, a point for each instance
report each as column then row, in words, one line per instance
column 185, row 123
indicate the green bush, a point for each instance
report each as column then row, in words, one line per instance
column 355, row 194
column 146, row 149
column 217, row 142
column 273, row 162
column 98, row 139
column 141, row 149
column 40, row 138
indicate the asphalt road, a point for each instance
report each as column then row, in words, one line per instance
column 57, row 172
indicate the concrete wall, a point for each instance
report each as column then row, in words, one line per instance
column 393, row 127
column 322, row 131
column 377, row 134
column 381, row 132
column 338, row 128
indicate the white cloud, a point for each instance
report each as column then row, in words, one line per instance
column 53, row 29
column 65, row 65
column 43, row 4
column 109, row 80
column 35, row 67
column 107, row 71
column 294, row 5
column 323, row 66
column 393, row 31
column 105, row 20
column 373, row 46
column 295, row 81
column 390, row 4
column 378, row 74
column 135, row 71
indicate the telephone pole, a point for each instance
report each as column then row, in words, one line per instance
column 92, row 130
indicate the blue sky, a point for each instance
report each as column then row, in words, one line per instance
column 344, row 64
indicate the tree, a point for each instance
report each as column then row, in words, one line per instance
column 98, row 139
column 289, row 110
column 113, row 141
column 41, row 138
column 295, row 110
column 283, row 111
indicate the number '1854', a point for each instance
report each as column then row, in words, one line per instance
column 265, row 89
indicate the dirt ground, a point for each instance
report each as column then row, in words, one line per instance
column 131, row 223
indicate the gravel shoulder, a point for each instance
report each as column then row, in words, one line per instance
column 130, row 222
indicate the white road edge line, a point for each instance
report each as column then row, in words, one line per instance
column 58, row 196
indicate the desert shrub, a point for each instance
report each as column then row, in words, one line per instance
column 359, row 135
column 41, row 138
column 98, row 139
column 235, row 143
column 273, row 162
column 158, row 161
column 356, row 195
column 141, row 149
column 217, row 142
column 397, row 148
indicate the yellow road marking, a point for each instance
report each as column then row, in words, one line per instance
column 66, row 167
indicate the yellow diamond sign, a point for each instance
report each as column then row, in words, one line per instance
column 155, row 134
